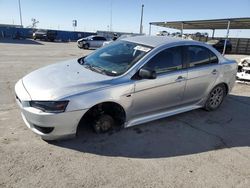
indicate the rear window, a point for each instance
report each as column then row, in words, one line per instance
column 99, row 38
column 200, row 56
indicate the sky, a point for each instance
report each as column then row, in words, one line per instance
column 92, row 15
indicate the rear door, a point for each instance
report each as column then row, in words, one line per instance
column 203, row 69
column 164, row 92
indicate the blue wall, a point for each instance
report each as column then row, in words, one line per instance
column 10, row 32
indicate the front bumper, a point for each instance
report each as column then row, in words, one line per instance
column 80, row 44
column 64, row 124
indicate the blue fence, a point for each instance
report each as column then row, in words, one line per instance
column 11, row 32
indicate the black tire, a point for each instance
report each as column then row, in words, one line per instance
column 86, row 46
column 103, row 123
column 34, row 38
column 215, row 97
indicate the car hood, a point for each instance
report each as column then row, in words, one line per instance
column 58, row 81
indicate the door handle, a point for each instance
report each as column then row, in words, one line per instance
column 180, row 78
column 214, row 72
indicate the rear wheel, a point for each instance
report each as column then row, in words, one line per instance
column 215, row 98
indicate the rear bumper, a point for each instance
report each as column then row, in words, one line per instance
column 63, row 125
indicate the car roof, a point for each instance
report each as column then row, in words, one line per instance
column 155, row 41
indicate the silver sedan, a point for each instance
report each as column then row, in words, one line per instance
column 126, row 83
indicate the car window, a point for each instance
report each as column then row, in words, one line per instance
column 199, row 56
column 99, row 38
column 102, row 38
column 166, row 60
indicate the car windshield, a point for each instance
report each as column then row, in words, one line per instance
column 116, row 58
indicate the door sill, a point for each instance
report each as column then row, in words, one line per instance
column 155, row 116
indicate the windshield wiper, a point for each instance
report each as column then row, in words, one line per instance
column 92, row 67
column 103, row 71
column 99, row 69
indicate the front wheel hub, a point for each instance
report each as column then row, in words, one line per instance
column 104, row 123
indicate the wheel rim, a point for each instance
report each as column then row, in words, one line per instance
column 216, row 97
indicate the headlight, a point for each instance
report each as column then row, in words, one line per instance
column 50, row 106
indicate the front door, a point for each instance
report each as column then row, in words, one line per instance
column 164, row 92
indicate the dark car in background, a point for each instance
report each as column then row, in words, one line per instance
column 219, row 45
column 43, row 34
column 93, row 41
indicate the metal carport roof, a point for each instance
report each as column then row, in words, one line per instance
column 226, row 23
column 235, row 23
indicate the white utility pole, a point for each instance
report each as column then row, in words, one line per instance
column 225, row 43
column 141, row 27
column 20, row 13
column 111, row 4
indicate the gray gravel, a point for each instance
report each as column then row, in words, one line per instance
column 193, row 149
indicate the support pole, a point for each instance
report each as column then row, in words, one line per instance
column 149, row 33
column 182, row 25
column 225, row 43
column 111, row 15
column 213, row 33
column 20, row 13
column 141, row 29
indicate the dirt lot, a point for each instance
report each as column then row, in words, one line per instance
column 193, row 149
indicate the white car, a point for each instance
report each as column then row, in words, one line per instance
column 93, row 41
column 128, row 82
column 243, row 73
column 245, row 62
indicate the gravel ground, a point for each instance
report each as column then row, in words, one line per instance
column 193, row 149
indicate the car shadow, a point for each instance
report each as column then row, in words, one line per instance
column 20, row 41
column 184, row 134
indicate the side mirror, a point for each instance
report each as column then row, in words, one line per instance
column 146, row 73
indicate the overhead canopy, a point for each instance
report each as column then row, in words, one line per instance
column 235, row 23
